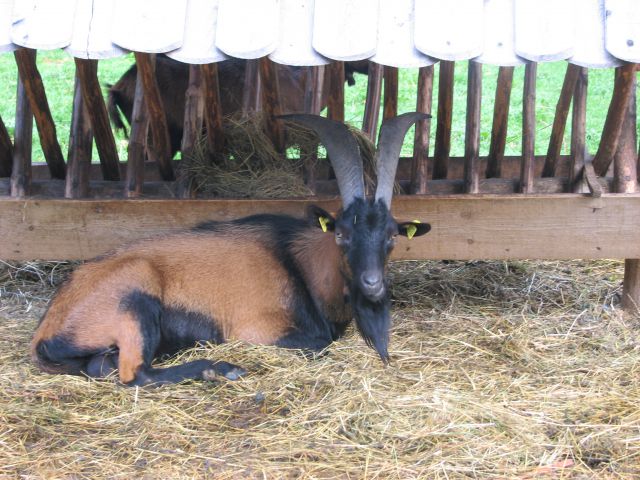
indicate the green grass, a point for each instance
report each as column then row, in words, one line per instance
column 57, row 70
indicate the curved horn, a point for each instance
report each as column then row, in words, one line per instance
column 392, row 133
column 343, row 152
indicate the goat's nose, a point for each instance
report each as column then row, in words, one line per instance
column 371, row 279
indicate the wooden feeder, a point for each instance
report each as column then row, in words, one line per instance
column 582, row 205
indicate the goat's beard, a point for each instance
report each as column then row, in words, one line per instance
column 373, row 321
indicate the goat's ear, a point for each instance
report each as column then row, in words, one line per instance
column 321, row 218
column 413, row 229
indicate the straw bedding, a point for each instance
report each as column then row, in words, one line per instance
column 500, row 370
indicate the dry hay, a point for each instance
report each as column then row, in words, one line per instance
column 500, row 370
column 251, row 167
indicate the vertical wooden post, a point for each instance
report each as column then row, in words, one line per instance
column 6, row 151
column 21, row 171
column 528, row 128
column 372, row 103
column 80, row 148
column 615, row 117
column 251, row 93
column 271, row 103
column 314, row 84
column 212, row 107
column 335, row 99
column 161, row 145
column 419, row 167
column 192, row 125
column 443, row 128
column 500, row 122
column 578, row 130
column 472, row 130
column 137, row 141
column 390, row 92
column 34, row 88
column 560, row 120
column 87, row 71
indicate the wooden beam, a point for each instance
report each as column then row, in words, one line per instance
column 30, row 76
column 212, row 107
column 161, row 146
column 390, row 92
column 87, row 71
column 560, row 119
column 465, row 227
column 23, row 134
column 528, row 128
column 372, row 103
column 419, row 168
column 136, row 151
column 472, row 130
column 500, row 122
column 335, row 98
column 578, row 130
column 271, row 103
column 6, row 151
column 445, row 111
column 80, row 147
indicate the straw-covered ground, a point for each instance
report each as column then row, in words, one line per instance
column 499, row 370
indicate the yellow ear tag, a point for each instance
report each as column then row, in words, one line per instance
column 323, row 223
column 412, row 229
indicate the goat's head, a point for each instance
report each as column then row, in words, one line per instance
column 364, row 229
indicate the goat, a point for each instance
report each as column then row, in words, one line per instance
column 263, row 279
column 173, row 79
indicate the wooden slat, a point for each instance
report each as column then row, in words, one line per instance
column 92, row 30
column 213, row 107
column 247, row 28
column 136, row 151
column 390, row 92
column 251, row 93
column 615, row 117
column 528, row 128
column 22, row 134
column 443, row 128
column 623, row 29
column 499, row 35
column 193, row 123
column 87, row 71
column 500, row 122
column 419, row 169
column 80, row 148
column 271, row 102
column 548, row 227
column 161, row 146
column 42, row 24
column 589, row 40
column 6, row 151
column 578, row 130
column 372, row 103
column 544, row 29
column 26, row 61
column 335, row 99
column 560, row 120
column 472, row 131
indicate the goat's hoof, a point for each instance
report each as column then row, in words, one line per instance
column 224, row 369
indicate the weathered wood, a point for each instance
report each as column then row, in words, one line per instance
column 578, row 130
column 87, row 71
column 372, row 103
column 271, row 103
column 500, row 122
column 313, row 89
column 544, row 29
column 528, row 128
column 136, row 151
column 499, row 37
column 390, row 92
column 192, row 126
column 247, row 28
column 251, row 93
column 472, row 130
column 21, row 172
column 443, row 128
column 631, row 285
column 34, row 88
column 80, row 147
column 560, row 120
column 548, row 227
column 160, row 144
column 589, row 41
column 335, row 99
column 92, row 30
column 592, row 180
column 6, row 151
column 212, row 107
column 615, row 117
column 623, row 29
column 419, row 173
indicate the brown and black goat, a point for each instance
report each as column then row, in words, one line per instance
column 264, row 279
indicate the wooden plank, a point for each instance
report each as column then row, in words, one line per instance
column 443, row 128
column 6, row 10
column 622, row 29
column 615, row 117
column 271, row 103
column 136, row 150
column 335, row 98
column 578, row 130
column 625, row 160
column 33, row 86
column 372, row 103
column 528, row 128
column 213, row 112
column 150, row 26
column 589, row 50
column 472, row 130
column 544, row 29
column 92, row 27
column 199, row 40
column 80, row 147
column 499, row 35
column 500, row 122
column 390, row 103
column 43, row 24
column 419, row 168
column 345, row 29
column 6, row 151
column 252, row 88
column 466, row 227
column 449, row 33
column 560, row 120
column 87, row 71
column 22, row 134
column 247, row 28
column 160, row 145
